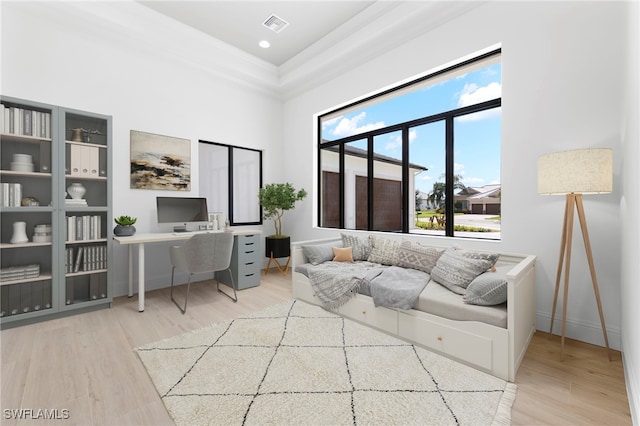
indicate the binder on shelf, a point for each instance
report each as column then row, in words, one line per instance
column 69, row 296
column 36, row 295
column 14, row 299
column 94, row 286
column 103, row 285
column 25, row 297
column 4, row 301
column 46, row 294
column 76, row 160
column 45, row 157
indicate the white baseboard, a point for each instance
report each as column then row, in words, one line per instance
column 632, row 379
column 154, row 283
column 578, row 330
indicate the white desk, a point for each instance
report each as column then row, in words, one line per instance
column 140, row 239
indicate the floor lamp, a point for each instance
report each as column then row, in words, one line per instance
column 574, row 173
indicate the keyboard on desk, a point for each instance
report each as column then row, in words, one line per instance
column 208, row 231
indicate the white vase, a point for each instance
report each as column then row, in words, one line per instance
column 76, row 191
column 19, row 233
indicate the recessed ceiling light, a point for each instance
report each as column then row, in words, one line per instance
column 264, row 44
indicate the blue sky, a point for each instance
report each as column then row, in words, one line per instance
column 477, row 136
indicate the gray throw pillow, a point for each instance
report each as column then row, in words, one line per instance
column 455, row 269
column 416, row 256
column 383, row 251
column 318, row 253
column 488, row 288
column 360, row 247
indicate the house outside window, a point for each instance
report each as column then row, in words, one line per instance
column 422, row 158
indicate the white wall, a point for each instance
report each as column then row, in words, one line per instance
column 562, row 89
column 114, row 59
column 630, row 206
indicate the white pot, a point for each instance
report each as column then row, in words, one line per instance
column 76, row 191
column 19, row 233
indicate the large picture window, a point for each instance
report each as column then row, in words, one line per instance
column 423, row 157
column 230, row 177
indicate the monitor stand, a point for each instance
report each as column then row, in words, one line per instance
column 180, row 228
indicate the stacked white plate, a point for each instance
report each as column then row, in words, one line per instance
column 42, row 234
column 22, row 163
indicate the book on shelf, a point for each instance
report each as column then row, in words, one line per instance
column 81, row 228
column 25, row 122
column 10, row 194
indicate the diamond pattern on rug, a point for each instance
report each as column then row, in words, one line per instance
column 296, row 363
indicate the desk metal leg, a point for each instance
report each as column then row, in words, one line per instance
column 130, row 271
column 141, row 277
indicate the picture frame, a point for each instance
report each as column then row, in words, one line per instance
column 159, row 162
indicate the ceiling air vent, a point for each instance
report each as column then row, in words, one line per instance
column 275, row 23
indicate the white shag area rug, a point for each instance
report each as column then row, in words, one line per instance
column 298, row 364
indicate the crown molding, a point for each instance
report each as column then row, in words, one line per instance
column 378, row 29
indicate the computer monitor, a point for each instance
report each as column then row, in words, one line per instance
column 182, row 211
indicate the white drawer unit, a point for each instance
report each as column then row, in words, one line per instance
column 362, row 309
column 245, row 262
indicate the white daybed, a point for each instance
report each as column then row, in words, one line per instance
column 495, row 350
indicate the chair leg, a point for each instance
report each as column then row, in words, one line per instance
column 186, row 298
column 233, row 285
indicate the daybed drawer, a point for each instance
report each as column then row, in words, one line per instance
column 472, row 348
column 362, row 309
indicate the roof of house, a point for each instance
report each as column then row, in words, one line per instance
column 486, row 191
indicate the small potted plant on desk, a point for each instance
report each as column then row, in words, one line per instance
column 124, row 226
column 275, row 199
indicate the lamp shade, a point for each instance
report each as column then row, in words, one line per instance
column 583, row 171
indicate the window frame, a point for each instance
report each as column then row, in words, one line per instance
column 231, row 188
column 448, row 117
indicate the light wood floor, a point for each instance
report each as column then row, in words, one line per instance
column 86, row 364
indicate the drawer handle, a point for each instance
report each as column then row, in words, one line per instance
column 439, row 338
column 250, row 263
column 249, row 244
column 248, row 252
column 249, row 275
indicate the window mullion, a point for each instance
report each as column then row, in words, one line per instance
column 449, row 177
column 405, row 180
column 370, row 171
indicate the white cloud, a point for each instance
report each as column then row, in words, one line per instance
column 472, row 180
column 396, row 141
column 348, row 127
column 331, row 122
column 472, row 94
column 458, row 168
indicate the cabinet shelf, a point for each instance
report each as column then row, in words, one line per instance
column 4, row 246
column 25, row 174
column 10, row 137
column 57, row 162
column 27, row 209
column 99, row 240
column 41, row 277
column 79, row 273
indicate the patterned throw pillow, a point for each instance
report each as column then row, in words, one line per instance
column 342, row 254
column 384, row 251
column 416, row 256
column 361, row 247
column 457, row 268
column 488, row 288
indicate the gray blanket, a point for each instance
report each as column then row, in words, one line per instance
column 398, row 287
column 334, row 283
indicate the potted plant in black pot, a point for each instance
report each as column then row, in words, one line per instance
column 275, row 199
column 124, row 226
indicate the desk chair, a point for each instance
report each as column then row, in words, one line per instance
column 203, row 253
